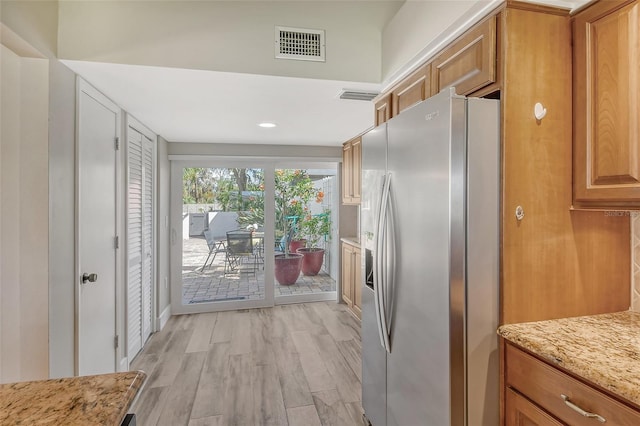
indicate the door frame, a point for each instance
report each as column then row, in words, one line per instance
column 121, row 364
column 269, row 165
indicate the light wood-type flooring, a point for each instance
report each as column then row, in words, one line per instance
column 288, row 365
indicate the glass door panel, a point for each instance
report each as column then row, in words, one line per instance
column 306, row 243
column 222, row 238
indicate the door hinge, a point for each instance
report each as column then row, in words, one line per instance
column 116, row 242
column 116, row 341
column 117, row 143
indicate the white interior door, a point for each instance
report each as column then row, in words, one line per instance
column 140, row 155
column 98, row 127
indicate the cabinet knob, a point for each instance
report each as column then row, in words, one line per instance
column 519, row 213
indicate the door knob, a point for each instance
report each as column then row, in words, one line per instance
column 92, row 278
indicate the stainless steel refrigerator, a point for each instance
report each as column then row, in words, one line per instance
column 429, row 231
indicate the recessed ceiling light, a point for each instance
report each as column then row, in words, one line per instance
column 267, row 125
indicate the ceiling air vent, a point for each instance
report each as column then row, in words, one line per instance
column 299, row 44
column 357, row 95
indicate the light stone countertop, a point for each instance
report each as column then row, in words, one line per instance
column 86, row 400
column 603, row 349
column 354, row 241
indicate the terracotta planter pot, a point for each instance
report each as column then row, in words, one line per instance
column 287, row 268
column 294, row 245
column 312, row 260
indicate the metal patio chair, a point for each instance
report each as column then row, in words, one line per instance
column 239, row 251
column 216, row 245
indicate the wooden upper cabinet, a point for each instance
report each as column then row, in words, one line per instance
column 347, row 167
column 606, row 67
column 469, row 64
column 383, row 110
column 356, row 170
column 413, row 89
column 351, row 170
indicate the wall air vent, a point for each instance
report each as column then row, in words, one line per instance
column 358, row 95
column 299, row 44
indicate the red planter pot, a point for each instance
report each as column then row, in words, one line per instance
column 294, row 245
column 287, row 268
column 312, row 260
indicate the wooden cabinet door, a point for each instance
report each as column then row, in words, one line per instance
column 413, row 89
column 347, row 274
column 357, row 284
column 470, row 63
column 356, row 170
column 383, row 110
column 347, row 167
column 606, row 64
column 351, row 170
column 519, row 411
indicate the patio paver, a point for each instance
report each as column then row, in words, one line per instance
column 212, row 285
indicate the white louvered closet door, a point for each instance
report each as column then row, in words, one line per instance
column 139, row 240
column 147, row 236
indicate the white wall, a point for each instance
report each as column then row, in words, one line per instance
column 415, row 25
column 235, row 36
column 36, row 21
column 24, row 227
column 62, row 276
column 163, row 261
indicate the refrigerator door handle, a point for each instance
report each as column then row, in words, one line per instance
column 384, row 267
column 377, row 263
column 390, row 256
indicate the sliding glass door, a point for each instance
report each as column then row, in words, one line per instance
column 233, row 222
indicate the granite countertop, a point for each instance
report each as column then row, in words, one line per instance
column 603, row 349
column 354, row 241
column 86, row 400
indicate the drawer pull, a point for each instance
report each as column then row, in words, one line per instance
column 582, row 412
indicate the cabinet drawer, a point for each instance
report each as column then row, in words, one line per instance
column 544, row 385
column 521, row 412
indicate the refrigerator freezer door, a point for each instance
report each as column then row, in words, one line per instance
column 374, row 384
column 483, row 205
column 419, row 158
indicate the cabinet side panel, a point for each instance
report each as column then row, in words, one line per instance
column 555, row 262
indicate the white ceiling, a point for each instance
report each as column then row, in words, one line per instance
column 185, row 105
column 207, row 106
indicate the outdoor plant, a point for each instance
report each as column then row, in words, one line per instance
column 316, row 228
column 294, row 188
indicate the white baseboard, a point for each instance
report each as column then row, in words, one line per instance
column 161, row 321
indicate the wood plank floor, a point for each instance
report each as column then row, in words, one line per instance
column 288, row 365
